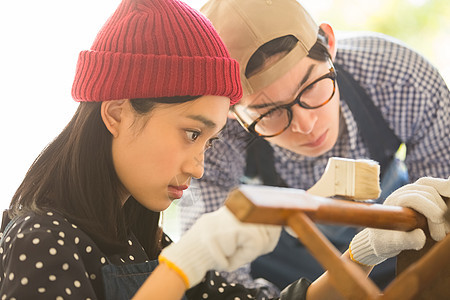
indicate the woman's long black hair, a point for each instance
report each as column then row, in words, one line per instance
column 75, row 176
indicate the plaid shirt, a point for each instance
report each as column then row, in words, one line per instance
column 407, row 89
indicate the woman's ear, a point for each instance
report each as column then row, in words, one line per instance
column 331, row 39
column 112, row 115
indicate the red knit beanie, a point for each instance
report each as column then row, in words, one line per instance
column 156, row 48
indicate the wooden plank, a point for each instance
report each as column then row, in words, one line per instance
column 428, row 278
column 272, row 205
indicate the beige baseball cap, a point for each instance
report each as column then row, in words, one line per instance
column 246, row 25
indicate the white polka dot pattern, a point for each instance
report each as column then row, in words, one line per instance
column 53, row 259
column 50, row 258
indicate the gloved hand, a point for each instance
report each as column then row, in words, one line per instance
column 373, row 246
column 218, row 241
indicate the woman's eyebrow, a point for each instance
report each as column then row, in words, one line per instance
column 207, row 122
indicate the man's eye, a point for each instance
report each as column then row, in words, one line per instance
column 310, row 87
column 211, row 143
column 192, row 135
column 276, row 113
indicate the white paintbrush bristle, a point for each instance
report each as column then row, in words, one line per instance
column 357, row 179
column 367, row 180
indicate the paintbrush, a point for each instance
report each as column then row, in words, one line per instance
column 357, row 179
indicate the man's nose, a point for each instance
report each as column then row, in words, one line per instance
column 303, row 120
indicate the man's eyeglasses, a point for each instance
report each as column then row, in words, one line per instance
column 278, row 119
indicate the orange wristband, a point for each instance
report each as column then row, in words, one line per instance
column 353, row 259
column 174, row 267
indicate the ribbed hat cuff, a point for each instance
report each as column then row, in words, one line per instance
column 102, row 76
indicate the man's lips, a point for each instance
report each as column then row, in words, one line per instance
column 176, row 191
column 316, row 142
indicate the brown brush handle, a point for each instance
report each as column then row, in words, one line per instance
column 368, row 215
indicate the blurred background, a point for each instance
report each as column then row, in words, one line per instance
column 40, row 42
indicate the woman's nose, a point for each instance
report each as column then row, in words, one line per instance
column 194, row 165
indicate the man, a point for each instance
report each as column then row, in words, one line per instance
column 303, row 86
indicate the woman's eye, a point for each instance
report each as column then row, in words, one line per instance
column 192, row 135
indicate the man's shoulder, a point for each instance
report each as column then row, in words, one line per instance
column 346, row 39
column 377, row 49
column 376, row 59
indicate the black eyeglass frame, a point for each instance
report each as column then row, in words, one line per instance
column 251, row 127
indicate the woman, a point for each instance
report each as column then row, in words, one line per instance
column 154, row 92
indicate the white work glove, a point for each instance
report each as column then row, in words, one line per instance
column 373, row 246
column 218, row 241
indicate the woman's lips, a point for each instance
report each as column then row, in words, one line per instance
column 317, row 142
column 176, row 192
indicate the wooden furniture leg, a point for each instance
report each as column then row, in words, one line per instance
column 346, row 277
column 427, row 278
column 436, row 256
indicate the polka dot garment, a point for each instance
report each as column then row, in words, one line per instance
column 47, row 257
